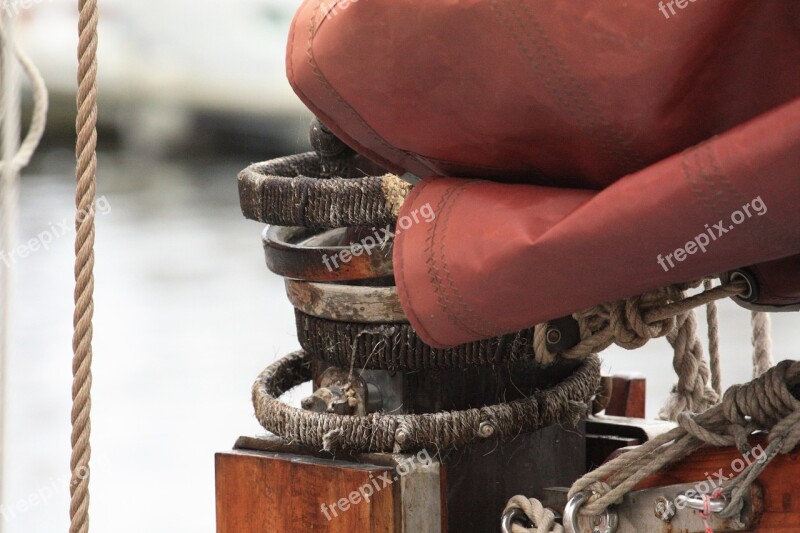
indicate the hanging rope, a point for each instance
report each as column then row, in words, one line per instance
column 766, row 403
column 692, row 392
column 762, row 342
column 84, row 265
column 15, row 156
column 712, row 320
column 9, row 188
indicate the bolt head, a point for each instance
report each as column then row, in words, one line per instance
column 486, row 430
column 553, row 335
column 664, row 510
column 401, row 436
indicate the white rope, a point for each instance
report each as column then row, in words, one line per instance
column 762, row 343
column 15, row 156
column 40, row 103
column 9, row 191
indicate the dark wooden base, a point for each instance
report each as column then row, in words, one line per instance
column 264, row 485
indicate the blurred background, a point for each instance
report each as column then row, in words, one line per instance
column 186, row 313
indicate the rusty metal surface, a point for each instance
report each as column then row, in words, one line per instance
column 326, row 255
column 348, row 303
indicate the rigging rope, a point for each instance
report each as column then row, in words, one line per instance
column 713, row 342
column 86, row 155
column 10, row 197
column 762, row 343
column 15, row 156
column 766, row 403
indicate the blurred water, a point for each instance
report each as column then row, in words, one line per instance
column 186, row 316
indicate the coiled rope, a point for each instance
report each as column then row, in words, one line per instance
column 86, row 170
column 629, row 323
column 312, row 191
column 380, row 432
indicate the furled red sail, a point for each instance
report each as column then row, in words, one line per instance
column 618, row 136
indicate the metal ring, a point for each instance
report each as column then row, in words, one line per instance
column 608, row 520
column 752, row 285
column 378, row 432
column 510, row 517
column 346, row 303
column 315, row 192
column 318, row 255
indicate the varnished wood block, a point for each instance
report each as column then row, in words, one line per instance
column 627, row 396
column 263, row 492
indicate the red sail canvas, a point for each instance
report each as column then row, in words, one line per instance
column 573, row 152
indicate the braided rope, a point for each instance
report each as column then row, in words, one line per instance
column 379, row 432
column 631, row 322
column 766, row 403
column 312, row 191
column 692, row 392
column 84, row 265
column 712, row 319
column 542, row 518
column 762, row 342
column 398, row 347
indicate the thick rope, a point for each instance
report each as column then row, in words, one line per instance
column 766, row 403
column 15, row 156
column 312, row 191
column 630, row 323
column 692, row 392
column 542, row 518
column 396, row 347
column 712, row 319
column 86, row 153
column 9, row 188
column 380, row 432
column 762, row 343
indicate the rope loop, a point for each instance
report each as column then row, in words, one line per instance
column 313, row 191
column 542, row 518
column 380, row 432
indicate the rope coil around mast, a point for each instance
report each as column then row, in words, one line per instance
column 668, row 312
column 86, row 178
column 379, row 432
